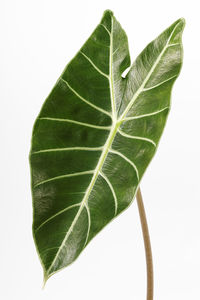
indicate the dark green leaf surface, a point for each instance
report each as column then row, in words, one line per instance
column 95, row 136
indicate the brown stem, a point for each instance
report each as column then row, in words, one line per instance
column 147, row 245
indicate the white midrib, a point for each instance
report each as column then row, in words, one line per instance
column 111, row 83
column 89, row 189
column 115, row 125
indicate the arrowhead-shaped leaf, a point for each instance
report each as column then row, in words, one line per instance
column 95, row 136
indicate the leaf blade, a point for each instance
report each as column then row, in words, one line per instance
column 118, row 121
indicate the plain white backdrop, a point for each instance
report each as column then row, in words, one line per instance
column 38, row 38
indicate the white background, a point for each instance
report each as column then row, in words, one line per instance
column 37, row 39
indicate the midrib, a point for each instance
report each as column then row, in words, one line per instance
column 111, row 83
column 90, row 187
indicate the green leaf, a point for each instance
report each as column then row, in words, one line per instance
column 95, row 136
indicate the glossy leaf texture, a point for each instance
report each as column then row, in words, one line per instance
column 95, row 136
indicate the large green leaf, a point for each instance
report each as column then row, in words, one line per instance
column 95, row 136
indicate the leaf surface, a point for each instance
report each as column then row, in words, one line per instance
column 95, row 136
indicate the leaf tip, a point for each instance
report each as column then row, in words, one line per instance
column 108, row 12
column 181, row 21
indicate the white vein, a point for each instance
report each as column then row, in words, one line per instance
column 94, row 66
column 111, row 188
column 115, row 51
column 136, row 137
column 172, row 45
column 64, row 176
column 158, row 84
column 69, row 149
column 127, row 159
column 105, row 28
column 76, row 122
column 57, row 214
column 112, row 95
column 89, row 223
column 85, row 100
column 140, row 89
column 44, row 251
column 146, row 115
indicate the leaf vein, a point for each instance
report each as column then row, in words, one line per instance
column 58, row 213
column 146, row 115
column 127, row 159
column 76, row 122
column 85, row 100
column 69, row 149
column 64, row 176
column 158, row 84
column 105, row 28
column 136, row 137
column 171, row 45
column 112, row 95
column 89, row 223
column 93, row 64
column 112, row 190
